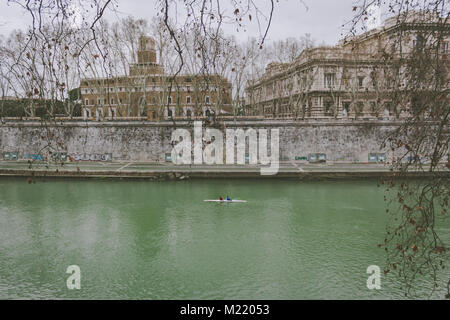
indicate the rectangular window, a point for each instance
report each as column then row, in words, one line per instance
column 346, row 105
column 419, row 42
column 169, row 100
column 360, row 107
column 372, row 157
column 329, row 80
column 99, row 101
column 304, row 82
column 86, row 102
column 327, row 105
column 207, row 99
column 112, row 100
column 388, row 106
column 188, row 100
column 120, row 100
column 444, row 47
column 360, row 81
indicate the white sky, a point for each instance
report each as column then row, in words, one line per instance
column 292, row 18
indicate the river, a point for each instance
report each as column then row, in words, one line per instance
column 159, row 240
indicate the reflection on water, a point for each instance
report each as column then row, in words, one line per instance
column 146, row 240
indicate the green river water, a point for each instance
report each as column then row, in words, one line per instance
column 159, row 240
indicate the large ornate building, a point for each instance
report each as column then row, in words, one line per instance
column 147, row 92
column 349, row 80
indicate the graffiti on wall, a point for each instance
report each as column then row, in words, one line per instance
column 90, row 157
column 33, row 156
column 10, row 155
column 377, row 157
column 59, row 156
column 317, row 157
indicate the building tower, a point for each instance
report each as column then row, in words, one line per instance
column 146, row 51
column 146, row 64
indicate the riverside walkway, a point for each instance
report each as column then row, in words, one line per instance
column 122, row 169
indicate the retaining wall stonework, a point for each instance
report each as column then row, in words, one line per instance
column 347, row 141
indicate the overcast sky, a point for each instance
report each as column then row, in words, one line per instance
column 321, row 18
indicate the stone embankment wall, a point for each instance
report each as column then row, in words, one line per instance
column 343, row 141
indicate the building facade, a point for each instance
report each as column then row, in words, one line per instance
column 148, row 93
column 350, row 80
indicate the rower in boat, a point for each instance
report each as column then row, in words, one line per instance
column 228, row 200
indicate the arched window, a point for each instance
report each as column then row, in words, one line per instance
column 99, row 113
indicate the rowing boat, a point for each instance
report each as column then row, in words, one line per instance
column 232, row 201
